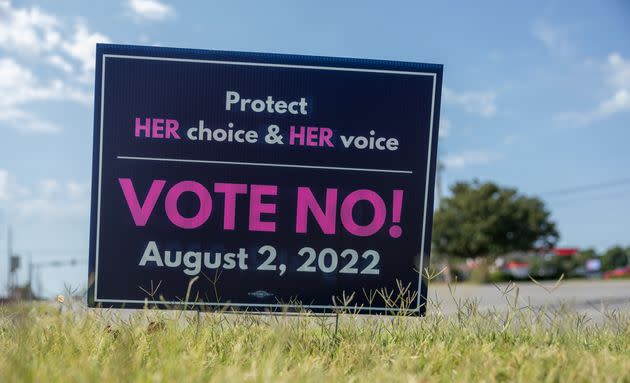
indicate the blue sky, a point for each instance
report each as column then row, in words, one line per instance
column 536, row 96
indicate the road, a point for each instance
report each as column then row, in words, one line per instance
column 592, row 296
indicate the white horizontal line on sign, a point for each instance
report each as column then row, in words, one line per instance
column 266, row 164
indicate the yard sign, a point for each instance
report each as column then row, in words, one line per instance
column 262, row 182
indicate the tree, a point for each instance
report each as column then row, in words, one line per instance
column 483, row 219
column 614, row 257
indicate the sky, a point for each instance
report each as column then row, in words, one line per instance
column 536, row 96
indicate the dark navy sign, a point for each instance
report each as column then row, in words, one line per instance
column 261, row 181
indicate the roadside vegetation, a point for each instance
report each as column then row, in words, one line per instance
column 484, row 232
column 66, row 342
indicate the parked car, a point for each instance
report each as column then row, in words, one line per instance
column 620, row 272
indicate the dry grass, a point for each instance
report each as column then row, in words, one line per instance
column 42, row 343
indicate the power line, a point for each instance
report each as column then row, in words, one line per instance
column 590, row 199
column 60, row 263
column 589, row 187
column 44, row 253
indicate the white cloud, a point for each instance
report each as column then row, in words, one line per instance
column 482, row 103
column 33, row 32
column 26, row 122
column 52, row 201
column 618, row 102
column 555, row 38
column 60, row 62
column 28, row 31
column 150, row 10
column 49, row 186
column 617, row 73
column 4, row 185
column 76, row 189
column 56, row 201
column 469, row 158
column 19, row 86
column 445, row 127
column 82, row 47
column 12, row 75
column 9, row 189
column 52, row 209
column 31, row 38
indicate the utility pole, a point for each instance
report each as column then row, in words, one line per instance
column 438, row 181
column 29, row 293
column 14, row 264
column 440, row 195
column 10, row 262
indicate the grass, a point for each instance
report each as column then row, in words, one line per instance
column 68, row 343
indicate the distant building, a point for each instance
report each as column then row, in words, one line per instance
column 565, row 251
column 517, row 269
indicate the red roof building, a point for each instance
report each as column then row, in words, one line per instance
column 565, row 251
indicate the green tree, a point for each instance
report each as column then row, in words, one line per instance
column 483, row 219
column 614, row 257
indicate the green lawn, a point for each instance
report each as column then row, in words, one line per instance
column 43, row 344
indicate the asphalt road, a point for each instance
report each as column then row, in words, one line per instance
column 593, row 296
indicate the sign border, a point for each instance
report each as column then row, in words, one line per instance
column 93, row 300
